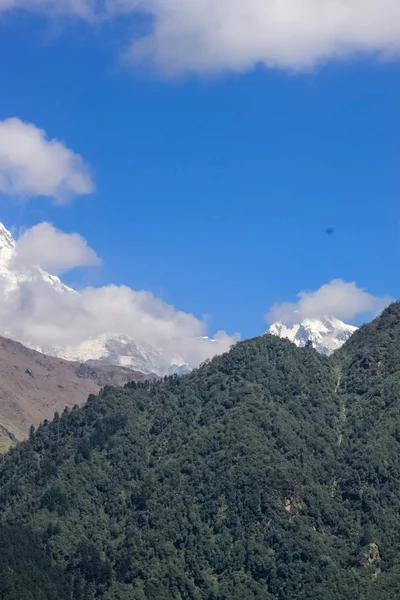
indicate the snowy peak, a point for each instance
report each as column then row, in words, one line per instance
column 120, row 350
column 326, row 334
column 7, row 246
column 7, row 242
column 13, row 275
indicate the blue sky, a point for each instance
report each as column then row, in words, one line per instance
column 214, row 192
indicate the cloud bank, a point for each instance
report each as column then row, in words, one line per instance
column 338, row 298
column 44, row 318
column 215, row 35
column 53, row 250
column 38, row 310
column 32, row 165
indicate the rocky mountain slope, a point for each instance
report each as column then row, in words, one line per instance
column 271, row 472
column 34, row 386
column 326, row 334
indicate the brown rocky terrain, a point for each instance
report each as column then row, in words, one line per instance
column 34, row 386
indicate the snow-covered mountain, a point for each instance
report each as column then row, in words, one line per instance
column 326, row 334
column 18, row 286
column 122, row 351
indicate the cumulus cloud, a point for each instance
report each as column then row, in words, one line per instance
column 32, row 165
column 213, row 35
column 53, row 250
column 209, row 35
column 338, row 298
column 38, row 310
column 46, row 318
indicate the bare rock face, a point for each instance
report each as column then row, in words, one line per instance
column 34, row 386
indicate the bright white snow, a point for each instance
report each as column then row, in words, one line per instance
column 326, row 334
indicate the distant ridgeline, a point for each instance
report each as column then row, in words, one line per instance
column 270, row 473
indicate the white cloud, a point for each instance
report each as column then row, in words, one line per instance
column 209, row 35
column 338, row 298
column 213, row 35
column 40, row 316
column 39, row 311
column 32, row 165
column 53, row 250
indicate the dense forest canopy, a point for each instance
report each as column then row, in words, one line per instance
column 271, row 473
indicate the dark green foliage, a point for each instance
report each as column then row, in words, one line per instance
column 270, row 473
column 55, row 500
column 25, row 572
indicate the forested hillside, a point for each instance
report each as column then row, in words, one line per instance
column 271, row 473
